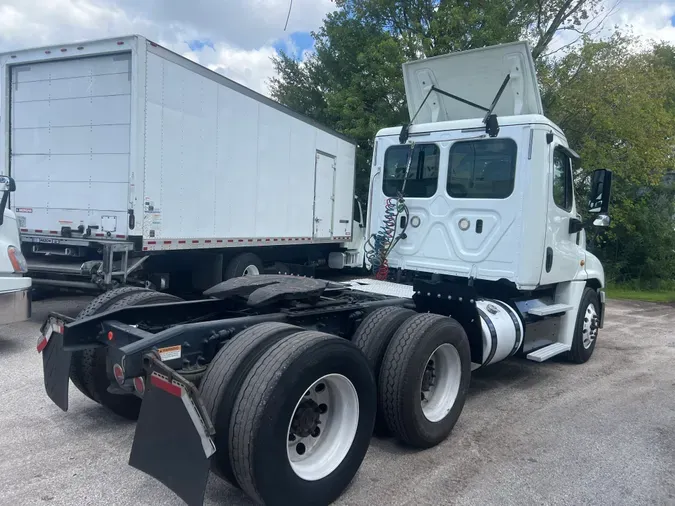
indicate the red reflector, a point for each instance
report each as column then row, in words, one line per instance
column 165, row 385
column 48, row 52
column 120, row 43
column 110, row 335
column 139, row 385
column 42, row 343
column 118, row 372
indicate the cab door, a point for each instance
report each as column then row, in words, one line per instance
column 563, row 253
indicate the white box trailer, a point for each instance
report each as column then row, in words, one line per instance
column 122, row 150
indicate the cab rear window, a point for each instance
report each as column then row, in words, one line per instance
column 483, row 169
column 422, row 180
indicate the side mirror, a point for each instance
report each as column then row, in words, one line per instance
column 7, row 184
column 601, row 187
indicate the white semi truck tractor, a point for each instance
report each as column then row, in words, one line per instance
column 276, row 383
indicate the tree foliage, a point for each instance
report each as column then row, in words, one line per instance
column 614, row 104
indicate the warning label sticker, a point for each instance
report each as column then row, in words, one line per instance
column 170, row 353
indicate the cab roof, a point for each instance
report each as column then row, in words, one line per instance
column 472, row 124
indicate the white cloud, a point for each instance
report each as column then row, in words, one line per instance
column 650, row 20
column 243, row 31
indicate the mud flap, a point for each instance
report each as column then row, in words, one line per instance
column 55, row 363
column 173, row 440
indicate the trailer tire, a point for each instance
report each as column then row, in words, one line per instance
column 372, row 337
column 245, row 264
column 82, row 361
column 586, row 328
column 425, row 344
column 223, row 378
column 269, row 408
column 93, row 366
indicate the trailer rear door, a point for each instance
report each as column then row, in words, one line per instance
column 70, row 143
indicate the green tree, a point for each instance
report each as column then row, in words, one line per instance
column 614, row 104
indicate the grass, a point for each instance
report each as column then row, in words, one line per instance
column 629, row 293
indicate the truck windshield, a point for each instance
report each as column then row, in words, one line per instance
column 422, row 176
column 483, row 169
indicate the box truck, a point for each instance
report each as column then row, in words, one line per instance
column 138, row 166
column 276, row 383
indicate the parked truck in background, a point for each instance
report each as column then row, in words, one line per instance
column 276, row 383
column 15, row 286
column 136, row 166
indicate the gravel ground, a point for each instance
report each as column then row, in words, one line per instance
column 551, row 433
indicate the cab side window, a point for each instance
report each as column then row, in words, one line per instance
column 562, row 180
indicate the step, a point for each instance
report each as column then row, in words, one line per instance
column 549, row 310
column 548, row 352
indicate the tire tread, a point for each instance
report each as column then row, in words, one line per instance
column 226, row 369
column 252, row 399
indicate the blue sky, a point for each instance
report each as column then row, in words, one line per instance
column 295, row 44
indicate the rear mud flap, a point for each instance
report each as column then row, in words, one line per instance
column 55, row 366
column 173, row 442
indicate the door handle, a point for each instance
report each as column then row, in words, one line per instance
column 576, row 226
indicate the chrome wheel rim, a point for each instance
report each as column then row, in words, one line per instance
column 440, row 382
column 589, row 331
column 251, row 270
column 323, row 427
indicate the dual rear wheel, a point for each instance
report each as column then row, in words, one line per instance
column 422, row 365
column 293, row 410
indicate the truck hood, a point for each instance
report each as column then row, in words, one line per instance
column 474, row 75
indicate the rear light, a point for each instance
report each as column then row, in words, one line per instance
column 17, row 259
column 139, row 385
column 118, row 372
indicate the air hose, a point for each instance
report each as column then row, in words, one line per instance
column 380, row 244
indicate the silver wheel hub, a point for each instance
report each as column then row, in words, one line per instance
column 323, row 427
column 251, row 270
column 589, row 331
column 440, row 382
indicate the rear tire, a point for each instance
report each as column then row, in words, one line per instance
column 82, row 361
column 269, row 464
column 425, row 379
column 372, row 338
column 92, row 366
column 245, row 264
column 222, row 382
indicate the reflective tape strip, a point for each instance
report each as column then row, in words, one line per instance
column 177, row 244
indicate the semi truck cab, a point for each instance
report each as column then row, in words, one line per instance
column 15, row 288
column 479, row 188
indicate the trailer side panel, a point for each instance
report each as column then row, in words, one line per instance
column 225, row 167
